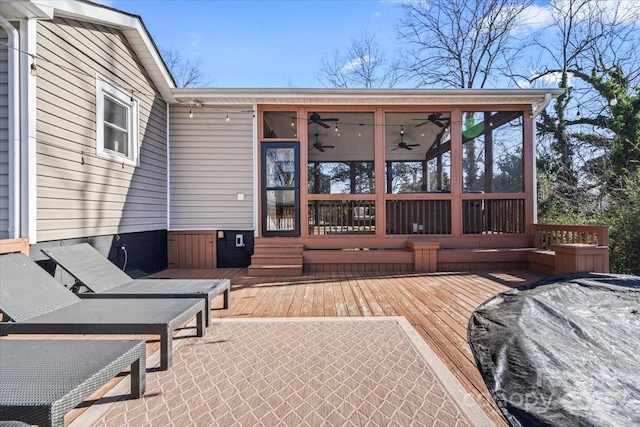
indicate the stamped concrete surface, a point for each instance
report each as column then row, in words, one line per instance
column 300, row 372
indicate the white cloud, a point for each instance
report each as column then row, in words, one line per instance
column 551, row 78
column 536, row 16
column 354, row 63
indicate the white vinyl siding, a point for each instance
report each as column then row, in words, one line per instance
column 80, row 194
column 211, row 162
column 4, row 135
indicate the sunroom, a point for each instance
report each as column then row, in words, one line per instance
column 366, row 176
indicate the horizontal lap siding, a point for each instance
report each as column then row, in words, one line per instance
column 79, row 194
column 211, row 162
column 4, row 135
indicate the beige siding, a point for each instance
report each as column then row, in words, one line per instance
column 80, row 194
column 4, row 136
column 211, row 162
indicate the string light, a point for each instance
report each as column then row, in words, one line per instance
column 613, row 101
column 578, row 115
column 190, row 113
column 34, row 68
column 401, row 130
column 336, row 129
column 227, row 119
column 293, row 123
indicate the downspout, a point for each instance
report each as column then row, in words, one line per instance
column 28, row 165
column 168, row 170
column 540, row 108
column 14, row 126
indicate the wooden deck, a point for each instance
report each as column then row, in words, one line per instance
column 438, row 305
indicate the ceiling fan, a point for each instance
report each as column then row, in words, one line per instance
column 317, row 119
column 318, row 145
column 433, row 118
column 403, row 144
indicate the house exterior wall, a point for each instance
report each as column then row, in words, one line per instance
column 78, row 194
column 4, row 135
column 211, row 162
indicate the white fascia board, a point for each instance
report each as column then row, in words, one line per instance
column 364, row 96
column 25, row 9
column 133, row 28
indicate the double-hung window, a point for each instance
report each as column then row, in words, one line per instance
column 116, row 123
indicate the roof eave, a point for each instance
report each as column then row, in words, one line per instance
column 248, row 96
column 133, row 28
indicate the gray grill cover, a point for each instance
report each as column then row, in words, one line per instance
column 563, row 352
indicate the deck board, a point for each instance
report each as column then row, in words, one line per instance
column 438, row 305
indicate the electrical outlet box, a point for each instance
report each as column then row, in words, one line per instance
column 239, row 241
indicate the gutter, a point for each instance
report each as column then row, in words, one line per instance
column 14, row 126
column 545, row 102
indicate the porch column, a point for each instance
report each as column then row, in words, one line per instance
column 456, row 172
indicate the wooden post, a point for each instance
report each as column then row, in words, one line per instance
column 425, row 255
column 578, row 258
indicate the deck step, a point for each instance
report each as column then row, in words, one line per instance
column 274, row 257
column 274, row 270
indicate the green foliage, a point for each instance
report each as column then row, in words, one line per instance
column 623, row 218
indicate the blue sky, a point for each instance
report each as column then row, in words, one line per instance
column 263, row 43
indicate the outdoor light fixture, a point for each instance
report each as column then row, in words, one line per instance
column 34, row 68
column 613, row 101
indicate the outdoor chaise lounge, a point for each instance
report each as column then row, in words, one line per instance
column 105, row 280
column 36, row 303
column 41, row 380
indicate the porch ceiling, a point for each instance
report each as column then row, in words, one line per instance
column 424, row 97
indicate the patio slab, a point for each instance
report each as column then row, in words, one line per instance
column 301, row 372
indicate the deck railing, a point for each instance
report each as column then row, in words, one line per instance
column 545, row 235
column 418, row 216
column 499, row 216
column 342, row 217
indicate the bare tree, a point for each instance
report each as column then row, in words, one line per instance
column 459, row 43
column 187, row 72
column 362, row 65
column 592, row 51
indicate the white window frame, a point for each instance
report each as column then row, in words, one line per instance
column 128, row 101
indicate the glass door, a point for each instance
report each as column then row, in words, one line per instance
column 280, row 189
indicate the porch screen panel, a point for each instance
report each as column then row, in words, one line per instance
column 341, row 153
column 417, row 152
column 492, row 147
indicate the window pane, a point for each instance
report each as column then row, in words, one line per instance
column 280, row 124
column 280, row 164
column 280, row 210
column 492, row 152
column 417, row 152
column 116, row 140
column 115, row 113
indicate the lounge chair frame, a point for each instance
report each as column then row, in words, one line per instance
column 42, row 380
column 37, row 303
column 104, row 280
